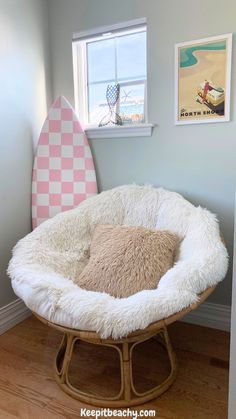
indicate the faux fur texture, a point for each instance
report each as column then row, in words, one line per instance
column 46, row 260
column 125, row 260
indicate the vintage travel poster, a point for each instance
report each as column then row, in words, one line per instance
column 202, row 77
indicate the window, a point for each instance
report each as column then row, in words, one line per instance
column 111, row 56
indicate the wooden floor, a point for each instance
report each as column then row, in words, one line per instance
column 28, row 389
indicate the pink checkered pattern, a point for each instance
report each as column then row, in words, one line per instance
column 63, row 172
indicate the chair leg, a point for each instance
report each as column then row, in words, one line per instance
column 162, row 338
column 170, row 351
column 63, row 357
column 126, row 367
column 60, row 355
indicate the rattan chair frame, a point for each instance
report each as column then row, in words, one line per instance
column 128, row 395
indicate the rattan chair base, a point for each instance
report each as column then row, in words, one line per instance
column 128, row 395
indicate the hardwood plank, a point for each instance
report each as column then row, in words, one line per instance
column 28, row 389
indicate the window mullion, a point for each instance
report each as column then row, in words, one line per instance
column 102, row 82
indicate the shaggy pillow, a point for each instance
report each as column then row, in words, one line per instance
column 125, row 260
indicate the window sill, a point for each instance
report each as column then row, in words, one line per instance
column 139, row 130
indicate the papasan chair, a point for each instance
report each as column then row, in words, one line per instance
column 46, row 261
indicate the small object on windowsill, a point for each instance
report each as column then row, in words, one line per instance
column 112, row 96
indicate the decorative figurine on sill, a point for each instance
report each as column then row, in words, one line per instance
column 112, row 117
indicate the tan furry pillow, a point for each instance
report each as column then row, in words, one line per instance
column 125, row 260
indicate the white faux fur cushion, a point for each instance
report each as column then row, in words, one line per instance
column 125, row 260
column 47, row 260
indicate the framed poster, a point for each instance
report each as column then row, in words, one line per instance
column 202, row 80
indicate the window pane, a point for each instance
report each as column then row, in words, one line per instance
column 131, row 56
column 101, row 60
column 132, row 107
column 97, row 102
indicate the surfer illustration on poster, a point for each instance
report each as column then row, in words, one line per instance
column 63, row 171
column 202, row 80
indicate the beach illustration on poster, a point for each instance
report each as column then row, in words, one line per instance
column 63, row 171
column 202, row 80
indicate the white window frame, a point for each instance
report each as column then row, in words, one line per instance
column 79, row 50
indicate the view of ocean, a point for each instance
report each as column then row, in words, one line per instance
column 131, row 109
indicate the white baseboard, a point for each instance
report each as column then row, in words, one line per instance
column 12, row 314
column 216, row 316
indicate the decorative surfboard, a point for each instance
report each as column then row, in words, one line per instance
column 63, row 172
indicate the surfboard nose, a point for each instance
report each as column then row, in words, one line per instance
column 61, row 102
